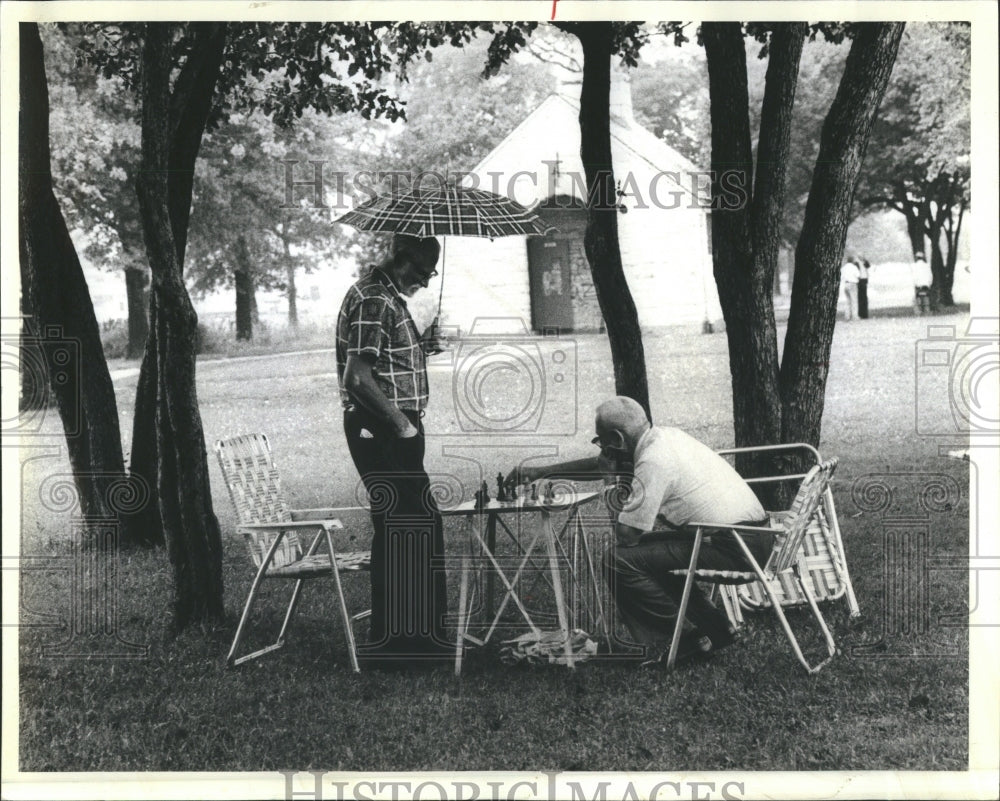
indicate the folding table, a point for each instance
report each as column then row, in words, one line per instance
column 481, row 526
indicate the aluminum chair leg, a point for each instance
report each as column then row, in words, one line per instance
column 675, row 641
column 296, row 593
column 344, row 614
column 291, row 610
column 463, row 613
column 254, row 589
column 781, row 612
column 831, row 646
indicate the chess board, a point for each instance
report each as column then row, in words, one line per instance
column 562, row 500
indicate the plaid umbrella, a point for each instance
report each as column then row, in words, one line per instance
column 445, row 211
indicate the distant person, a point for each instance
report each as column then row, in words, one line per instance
column 676, row 480
column 849, row 277
column 381, row 365
column 863, row 267
column 923, row 279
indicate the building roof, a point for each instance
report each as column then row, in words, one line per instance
column 629, row 134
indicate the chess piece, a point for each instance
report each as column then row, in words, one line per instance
column 549, row 495
column 512, row 491
column 486, row 493
column 534, row 492
column 501, row 491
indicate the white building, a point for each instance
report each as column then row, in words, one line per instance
column 545, row 283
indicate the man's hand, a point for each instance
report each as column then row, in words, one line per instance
column 408, row 432
column 522, row 474
column 432, row 340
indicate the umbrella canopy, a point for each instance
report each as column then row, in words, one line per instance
column 445, row 210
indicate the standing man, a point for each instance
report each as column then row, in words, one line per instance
column 676, row 480
column 849, row 277
column 382, row 369
column 863, row 267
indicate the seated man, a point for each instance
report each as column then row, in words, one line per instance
column 676, row 480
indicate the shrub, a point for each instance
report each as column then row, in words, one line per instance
column 114, row 339
column 211, row 339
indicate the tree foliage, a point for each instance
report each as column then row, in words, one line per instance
column 919, row 162
column 456, row 115
column 246, row 223
column 95, row 151
column 670, row 98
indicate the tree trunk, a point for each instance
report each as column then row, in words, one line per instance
column 601, row 237
column 67, row 335
column 846, row 130
column 937, row 264
column 184, row 501
column 243, row 278
column 138, row 310
column 914, row 225
column 293, row 307
column 189, row 110
column 953, row 231
column 746, row 236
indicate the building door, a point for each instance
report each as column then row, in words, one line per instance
column 549, row 271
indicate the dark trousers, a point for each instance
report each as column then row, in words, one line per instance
column 863, row 298
column 648, row 596
column 408, row 580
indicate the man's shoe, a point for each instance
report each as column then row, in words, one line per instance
column 691, row 647
column 723, row 639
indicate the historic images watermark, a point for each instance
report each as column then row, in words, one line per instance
column 36, row 359
column 317, row 785
column 508, row 383
column 906, row 504
column 87, row 579
column 312, row 184
column 956, row 383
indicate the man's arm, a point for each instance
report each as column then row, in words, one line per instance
column 359, row 381
column 586, row 469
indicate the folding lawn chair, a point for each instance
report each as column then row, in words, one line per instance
column 823, row 552
column 786, row 563
column 271, row 531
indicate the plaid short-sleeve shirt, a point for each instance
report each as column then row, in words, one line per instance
column 374, row 322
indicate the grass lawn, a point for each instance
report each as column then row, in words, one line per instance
column 889, row 700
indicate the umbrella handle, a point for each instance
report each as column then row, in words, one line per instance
column 444, row 245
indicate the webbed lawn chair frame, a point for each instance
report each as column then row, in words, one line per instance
column 271, row 531
column 786, row 562
column 823, row 551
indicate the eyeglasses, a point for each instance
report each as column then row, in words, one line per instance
column 423, row 277
column 597, row 441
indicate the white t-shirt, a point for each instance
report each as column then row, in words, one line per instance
column 679, row 480
column 849, row 273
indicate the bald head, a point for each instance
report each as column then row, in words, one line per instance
column 624, row 415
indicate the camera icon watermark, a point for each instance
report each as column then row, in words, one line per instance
column 43, row 361
column 957, row 381
column 505, row 381
column 916, row 565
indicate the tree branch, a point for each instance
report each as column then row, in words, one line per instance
column 190, row 105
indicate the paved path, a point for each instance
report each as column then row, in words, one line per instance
column 128, row 372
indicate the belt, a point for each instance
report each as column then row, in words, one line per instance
column 361, row 410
